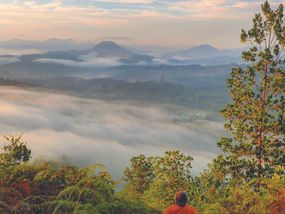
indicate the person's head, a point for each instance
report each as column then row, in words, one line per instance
column 181, row 198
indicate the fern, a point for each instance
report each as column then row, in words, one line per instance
column 4, row 207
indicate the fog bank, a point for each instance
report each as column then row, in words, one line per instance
column 88, row 131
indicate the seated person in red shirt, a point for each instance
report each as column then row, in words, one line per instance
column 181, row 206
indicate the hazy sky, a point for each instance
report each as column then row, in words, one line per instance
column 139, row 22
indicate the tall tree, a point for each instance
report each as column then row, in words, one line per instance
column 255, row 118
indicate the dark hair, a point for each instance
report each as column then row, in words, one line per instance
column 181, row 198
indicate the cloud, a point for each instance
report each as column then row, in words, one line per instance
column 147, row 22
column 89, row 60
column 14, row 52
column 217, row 9
column 8, row 60
column 89, row 131
column 126, row 1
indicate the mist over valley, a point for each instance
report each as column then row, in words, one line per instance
column 108, row 103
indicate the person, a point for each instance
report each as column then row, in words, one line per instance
column 181, row 206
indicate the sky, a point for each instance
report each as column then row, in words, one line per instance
column 168, row 23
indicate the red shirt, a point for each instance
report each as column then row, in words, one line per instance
column 175, row 209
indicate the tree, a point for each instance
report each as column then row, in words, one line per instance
column 140, row 174
column 15, row 152
column 156, row 179
column 255, row 118
column 172, row 174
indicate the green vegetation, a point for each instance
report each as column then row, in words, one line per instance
column 156, row 179
column 256, row 115
column 210, row 98
column 249, row 176
column 49, row 187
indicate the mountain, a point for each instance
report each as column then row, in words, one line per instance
column 107, row 49
column 106, row 53
column 205, row 55
column 110, row 49
column 109, row 54
column 201, row 51
column 197, row 52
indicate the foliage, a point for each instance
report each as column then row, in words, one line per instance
column 156, row 179
column 219, row 195
column 255, row 117
column 49, row 187
column 15, row 152
column 140, row 174
column 126, row 206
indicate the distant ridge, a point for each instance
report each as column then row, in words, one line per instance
column 206, row 51
column 110, row 53
column 106, row 53
column 107, row 44
column 200, row 51
column 111, row 49
column 203, row 47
